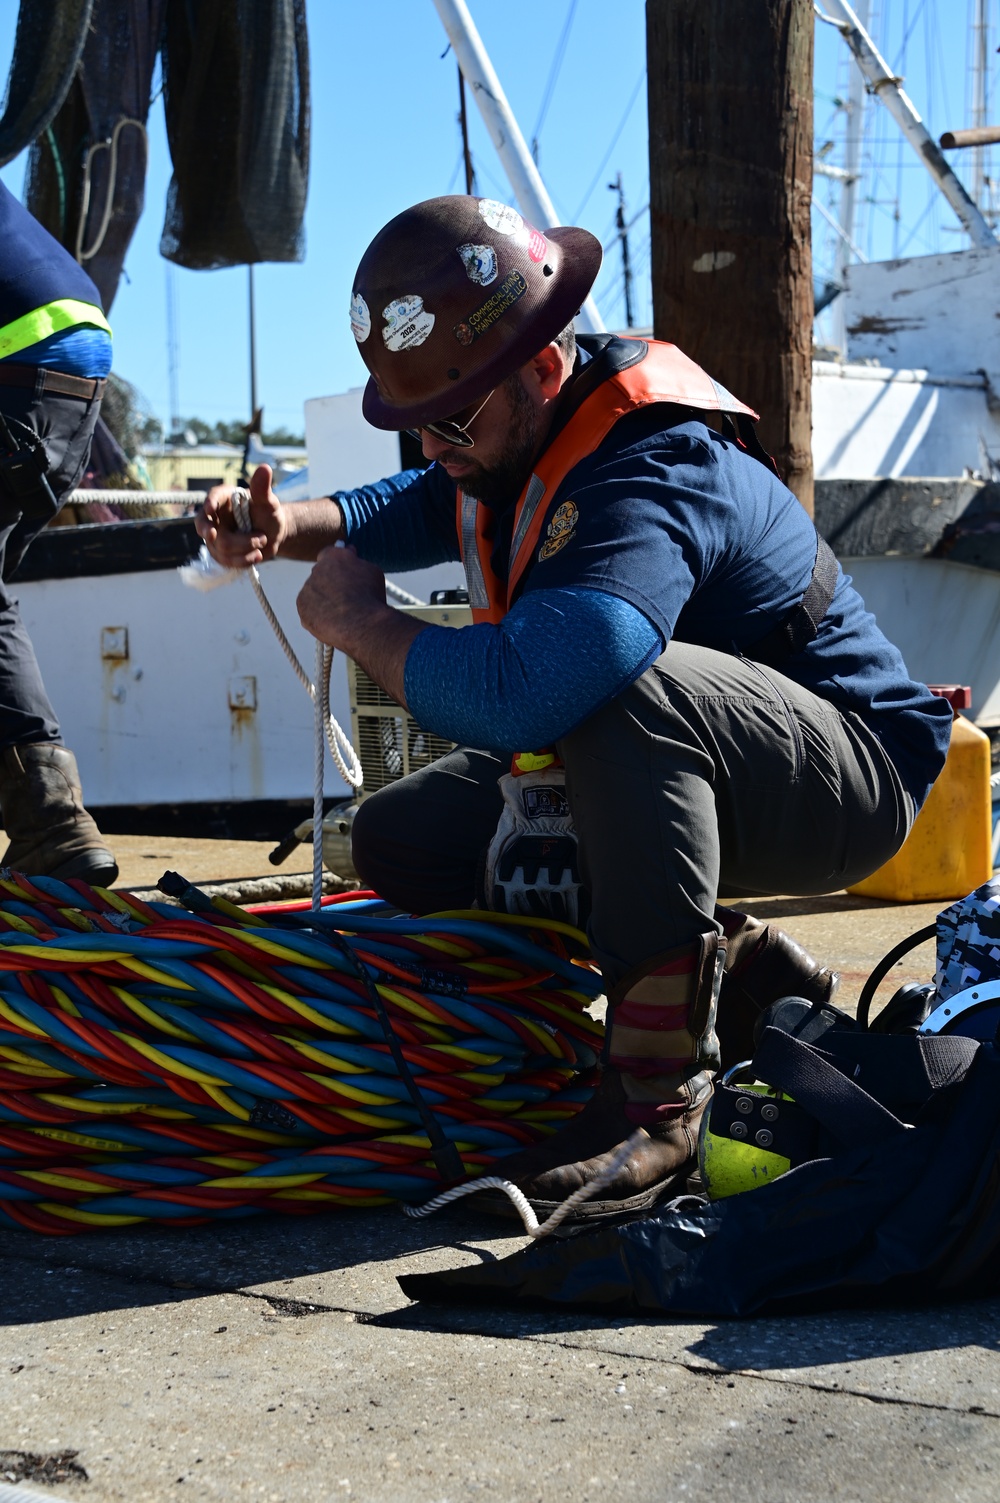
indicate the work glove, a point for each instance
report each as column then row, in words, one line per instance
column 531, row 862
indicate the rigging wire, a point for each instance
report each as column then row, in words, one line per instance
column 614, row 142
column 554, row 70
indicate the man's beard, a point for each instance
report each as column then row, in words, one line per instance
column 500, row 484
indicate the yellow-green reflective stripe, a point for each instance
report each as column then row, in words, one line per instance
column 31, row 328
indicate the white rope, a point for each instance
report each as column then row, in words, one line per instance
column 137, row 498
column 321, row 702
column 343, row 753
column 521, row 1201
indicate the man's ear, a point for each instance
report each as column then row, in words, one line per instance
column 547, row 371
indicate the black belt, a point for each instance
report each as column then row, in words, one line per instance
column 801, row 624
column 55, row 381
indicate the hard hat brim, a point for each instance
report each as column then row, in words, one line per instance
column 580, row 263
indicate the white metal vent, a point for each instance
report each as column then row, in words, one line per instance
column 388, row 741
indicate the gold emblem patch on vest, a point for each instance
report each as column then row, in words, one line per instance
column 560, row 529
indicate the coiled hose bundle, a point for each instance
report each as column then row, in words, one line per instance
column 158, row 1064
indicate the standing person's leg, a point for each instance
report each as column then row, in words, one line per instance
column 709, row 770
column 49, row 830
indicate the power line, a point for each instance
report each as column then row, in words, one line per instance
column 614, row 142
column 557, row 62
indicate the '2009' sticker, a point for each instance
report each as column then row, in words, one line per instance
column 361, row 319
column 407, row 322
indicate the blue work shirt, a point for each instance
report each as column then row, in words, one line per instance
column 684, row 533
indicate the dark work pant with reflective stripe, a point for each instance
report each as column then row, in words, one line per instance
column 66, row 425
column 711, row 776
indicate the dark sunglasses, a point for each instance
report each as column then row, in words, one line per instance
column 450, row 430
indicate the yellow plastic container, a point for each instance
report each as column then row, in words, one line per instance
column 949, row 851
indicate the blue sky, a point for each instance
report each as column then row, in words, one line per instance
column 385, row 134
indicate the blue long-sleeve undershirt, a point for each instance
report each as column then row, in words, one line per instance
column 555, row 658
column 406, row 521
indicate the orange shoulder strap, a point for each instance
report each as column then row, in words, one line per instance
column 661, row 373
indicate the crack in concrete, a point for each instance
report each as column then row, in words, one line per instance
column 830, row 1389
column 390, row 1319
column 297, row 1307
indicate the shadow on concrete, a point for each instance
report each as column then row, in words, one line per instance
column 47, row 1278
column 344, row 1262
column 769, row 1345
column 836, row 902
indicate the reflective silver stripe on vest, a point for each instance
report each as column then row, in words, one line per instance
column 479, row 598
column 727, row 402
column 536, row 490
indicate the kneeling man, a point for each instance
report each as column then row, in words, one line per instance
column 694, row 697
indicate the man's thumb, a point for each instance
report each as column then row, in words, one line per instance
column 260, row 482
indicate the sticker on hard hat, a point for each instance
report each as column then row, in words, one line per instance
column 361, row 319
column 501, row 217
column 537, row 244
column 480, row 262
column 407, row 322
column 485, row 316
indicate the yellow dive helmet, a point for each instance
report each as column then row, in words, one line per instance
column 737, row 1142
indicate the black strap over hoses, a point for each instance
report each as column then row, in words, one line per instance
column 446, row 1156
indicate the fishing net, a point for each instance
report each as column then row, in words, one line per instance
column 47, row 48
column 86, row 174
column 236, row 95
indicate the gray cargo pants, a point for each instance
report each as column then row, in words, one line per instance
column 710, row 776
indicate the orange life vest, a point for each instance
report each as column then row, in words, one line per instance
column 659, row 373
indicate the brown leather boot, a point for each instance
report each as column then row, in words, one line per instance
column 763, row 964
column 51, row 833
column 662, row 1051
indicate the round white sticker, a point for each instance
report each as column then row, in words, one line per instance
column 407, row 322
column 361, row 319
column 500, row 217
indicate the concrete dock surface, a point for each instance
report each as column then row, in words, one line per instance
column 277, row 1359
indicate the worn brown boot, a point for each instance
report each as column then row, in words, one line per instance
column 51, row 833
column 763, row 964
column 662, row 1050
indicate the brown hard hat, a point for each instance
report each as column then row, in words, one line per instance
column 453, row 296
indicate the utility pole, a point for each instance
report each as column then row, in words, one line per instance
column 172, row 361
column 463, row 120
column 854, row 135
column 253, row 340
column 730, row 148
column 622, row 227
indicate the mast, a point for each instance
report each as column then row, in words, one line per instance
column 980, row 85
column 505, row 133
column 849, row 187
column 884, row 84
